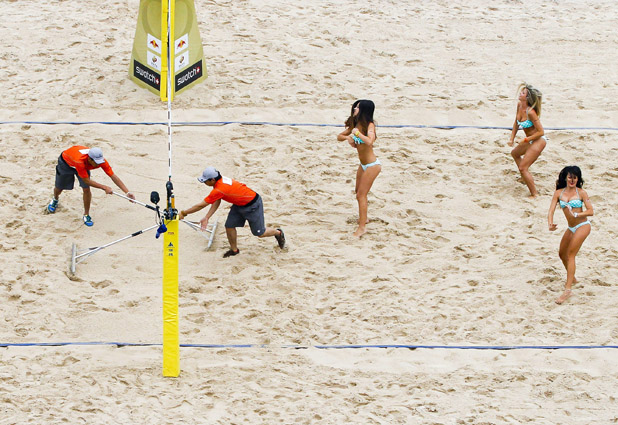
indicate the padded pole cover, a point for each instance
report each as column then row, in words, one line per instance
column 171, row 343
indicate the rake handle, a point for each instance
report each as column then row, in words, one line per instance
column 135, row 201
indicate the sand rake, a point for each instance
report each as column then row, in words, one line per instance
column 209, row 233
column 210, row 230
column 77, row 255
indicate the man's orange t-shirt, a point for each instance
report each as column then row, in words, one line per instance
column 77, row 157
column 231, row 191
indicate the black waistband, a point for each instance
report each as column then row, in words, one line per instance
column 251, row 202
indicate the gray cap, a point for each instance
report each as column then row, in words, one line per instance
column 207, row 174
column 96, row 154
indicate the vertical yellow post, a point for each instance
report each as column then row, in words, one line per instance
column 172, row 47
column 164, row 47
column 171, row 345
column 168, row 44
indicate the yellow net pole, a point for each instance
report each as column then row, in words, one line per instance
column 171, row 344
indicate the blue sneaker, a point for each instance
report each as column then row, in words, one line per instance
column 51, row 207
column 88, row 221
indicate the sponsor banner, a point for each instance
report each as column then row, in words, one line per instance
column 154, row 61
column 154, row 44
column 148, row 76
column 149, row 60
column 182, row 61
column 188, row 76
column 182, row 43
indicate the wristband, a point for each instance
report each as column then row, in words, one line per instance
column 575, row 214
column 525, row 139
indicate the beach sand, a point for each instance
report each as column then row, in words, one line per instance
column 456, row 254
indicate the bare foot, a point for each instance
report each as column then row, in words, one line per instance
column 565, row 296
column 360, row 232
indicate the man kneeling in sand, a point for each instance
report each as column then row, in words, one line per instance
column 246, row 206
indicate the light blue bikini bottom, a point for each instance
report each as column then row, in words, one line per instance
column 574, row 228
column 365, row 166
column 542, row 137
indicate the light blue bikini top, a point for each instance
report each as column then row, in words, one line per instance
column 573, row 203
column 357, row 140
column 524, row 124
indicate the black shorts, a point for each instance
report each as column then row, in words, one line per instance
column 253, row 213
column 65, row 176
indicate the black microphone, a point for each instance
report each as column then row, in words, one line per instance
column 170, row 189
column 154, row 197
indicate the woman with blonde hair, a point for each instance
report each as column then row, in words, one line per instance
column 527, row 118
column 360, row 133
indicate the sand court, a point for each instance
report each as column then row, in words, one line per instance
column 455, row 254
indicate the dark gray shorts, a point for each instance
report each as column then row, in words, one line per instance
column 253, row 213
column 65, row 176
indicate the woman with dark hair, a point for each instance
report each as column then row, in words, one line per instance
column 571, row 197
column 527, row 118
column 360, row 133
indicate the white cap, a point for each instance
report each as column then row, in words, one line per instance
column 207, row 174
column 96, row 154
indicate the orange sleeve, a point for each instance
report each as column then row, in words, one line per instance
column 213, row 196
column 107, row 168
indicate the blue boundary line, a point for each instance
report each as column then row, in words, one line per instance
column 322, row 347
column 283, row 124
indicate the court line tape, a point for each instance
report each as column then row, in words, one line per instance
column 322, row 347
column 289, row 124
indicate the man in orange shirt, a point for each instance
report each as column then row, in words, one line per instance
column 246, row 206
column 78, row 161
